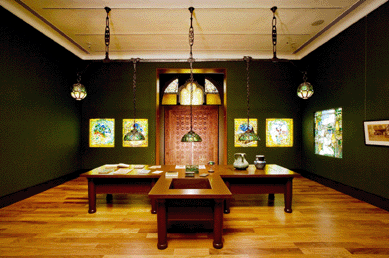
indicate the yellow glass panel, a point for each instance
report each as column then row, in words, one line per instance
column 197, row 98
column 169, row 99
column 213, row 99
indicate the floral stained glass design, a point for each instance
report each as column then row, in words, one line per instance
column 328, row 133
column 240, row 126
column 142, row 126
column 279, row 132
column 102, row 132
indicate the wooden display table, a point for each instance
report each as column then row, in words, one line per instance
column 272, row 179
column 181, row 200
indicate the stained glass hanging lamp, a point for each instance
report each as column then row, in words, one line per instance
column 191, row 136
column 305, row 89
column 78, row 91
column 134, row 134
column 249, row 135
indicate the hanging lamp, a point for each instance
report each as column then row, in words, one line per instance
column 249, row 135
column 305, row 89
column 78, row 91
column 107, row 35
column 134, row 134
column 191, row 136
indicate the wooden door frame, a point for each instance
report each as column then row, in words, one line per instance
column 160, row 129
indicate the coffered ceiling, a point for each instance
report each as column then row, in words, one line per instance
column 224, row 29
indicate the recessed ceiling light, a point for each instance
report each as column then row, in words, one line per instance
column 317, row 23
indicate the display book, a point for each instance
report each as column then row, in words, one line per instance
column 170, row 174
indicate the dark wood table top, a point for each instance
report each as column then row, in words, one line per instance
column 225, row 171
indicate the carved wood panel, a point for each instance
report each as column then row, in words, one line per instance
column 205, row 124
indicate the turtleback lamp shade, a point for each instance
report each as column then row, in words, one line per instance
column 249, row 135
column 191, row 136
column 134, row 134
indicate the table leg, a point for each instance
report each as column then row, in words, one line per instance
column 153, row 202
column 218, row 224
column 109, row 198
column 227, row 201
column 162, row 224
column 271, row 197
column 288, row 196
column 91, row 195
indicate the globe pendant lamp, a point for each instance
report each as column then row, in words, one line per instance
column 305, row 89
column 78, row 91
column 191, row 136
column 249, row 135
column 134, row 134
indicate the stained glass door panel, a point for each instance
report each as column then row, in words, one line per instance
column 205, row 124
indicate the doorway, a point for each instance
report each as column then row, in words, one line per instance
column 173, row 121
column 205, row 124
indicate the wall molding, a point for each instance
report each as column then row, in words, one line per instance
column 373, row 199
column 31, row 191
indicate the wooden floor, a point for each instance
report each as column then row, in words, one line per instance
column 324, row 223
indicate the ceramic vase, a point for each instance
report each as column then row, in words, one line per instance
column 240, row 161
column 260, row 161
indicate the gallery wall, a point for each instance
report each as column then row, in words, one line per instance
column 351, row 71
column 272, row 95
column 40, row 121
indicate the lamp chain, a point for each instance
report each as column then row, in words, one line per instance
column 191, row 41
column 248, row 59
column 107, row 33
column 274, row 31
column 134, row 61
column 305, row 77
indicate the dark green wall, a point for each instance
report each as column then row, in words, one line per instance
column 351, row 71
column 272, row 95
column 40, row 122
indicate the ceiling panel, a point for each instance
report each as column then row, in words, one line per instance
column 224, row 29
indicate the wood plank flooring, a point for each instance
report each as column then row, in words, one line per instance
column 324, row 223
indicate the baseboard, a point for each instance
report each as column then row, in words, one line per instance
column 359, row 194
column 33, row 190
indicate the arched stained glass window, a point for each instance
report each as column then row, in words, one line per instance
column 170, row 93
column 198, row 94
column 210, row 87
column 212, row 94
column 172, row 87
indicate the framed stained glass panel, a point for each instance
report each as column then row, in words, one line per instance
column 328, row 133
column 141, row 125
column 101, row 132
column 279, row 132
column 240, row 126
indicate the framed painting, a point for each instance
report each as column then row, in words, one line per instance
column 329, row 133
column 240, row 126
column 102, row 132
column 376, row 132
column 142, row 125
column 279, row 132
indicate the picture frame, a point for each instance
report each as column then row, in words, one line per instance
column 376, row 132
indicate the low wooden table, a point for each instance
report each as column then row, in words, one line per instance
column 111, row 183
column 181, row 200
column 272, row 179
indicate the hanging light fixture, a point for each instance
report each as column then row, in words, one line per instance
column 191, row 136
column 274, row 37
column 305, row 89
column 107, row 35
column 78, row 91
column 249, row 135
column 135, row 134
